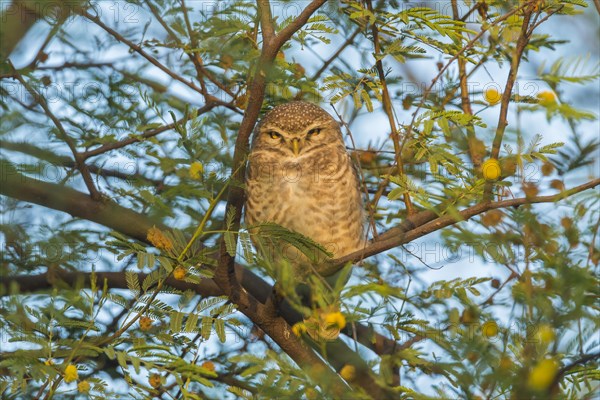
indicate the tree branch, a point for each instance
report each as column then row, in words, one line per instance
column 512, row 76
column 62, row 133
column 425, row 222
column 68, row 162
column 134, row 225
column 115, row 280
column 389, row 111
column 139, row 50
column 104, row 212
column 464, row 95
column 522, row 42
column 127, row 222
column 335, row 55
column 266, row 20
column 263, row 315
column 147, row 134
column 583, row 360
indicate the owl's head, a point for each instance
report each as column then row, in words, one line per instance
column 296, row 129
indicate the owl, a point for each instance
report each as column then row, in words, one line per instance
column 301, row 177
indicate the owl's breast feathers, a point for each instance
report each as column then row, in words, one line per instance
column 316, row 195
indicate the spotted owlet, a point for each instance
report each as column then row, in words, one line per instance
column 301, row 177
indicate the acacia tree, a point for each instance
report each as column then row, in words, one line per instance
column 126, row 270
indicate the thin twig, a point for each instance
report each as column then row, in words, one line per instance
column 522, row 42
column 512, row 76
column 464, row 95
column 146, row 135
column 561, row 372
column 387, row 106
column 335, row 55
column 79, row 160
column 139, row 50
column 68, row 162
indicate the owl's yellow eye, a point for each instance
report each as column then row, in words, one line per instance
column 314, row 131
column 274, row 135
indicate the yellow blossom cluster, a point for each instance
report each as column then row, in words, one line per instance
column 71, row 373
column 158, row 239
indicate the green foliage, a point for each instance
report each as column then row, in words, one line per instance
column 151, row 97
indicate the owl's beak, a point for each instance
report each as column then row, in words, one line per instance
column 296, row 146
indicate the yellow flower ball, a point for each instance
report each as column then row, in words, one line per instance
column 348, row 372
column 145, row 323
column 179, row 273
column 209, row 365
column 336, row 319
column 491, row 169
column 298, row 329
column 155, row 381
column 492, row 96
column 71, row 373
column 196, row 170
column 83, row 387
column 545, row 334
column 542, row 375
column 158, row 239
column 489, row 329
column 546, row 97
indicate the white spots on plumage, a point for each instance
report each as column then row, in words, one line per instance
column 296, row 116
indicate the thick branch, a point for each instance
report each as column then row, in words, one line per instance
column 68, row 162
column 105, row 212
column 127, row 222
column 114, row 280
column 225, row 277
column 425, row 222
column 266, row 20
column 58, row 197
column 338, row 353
